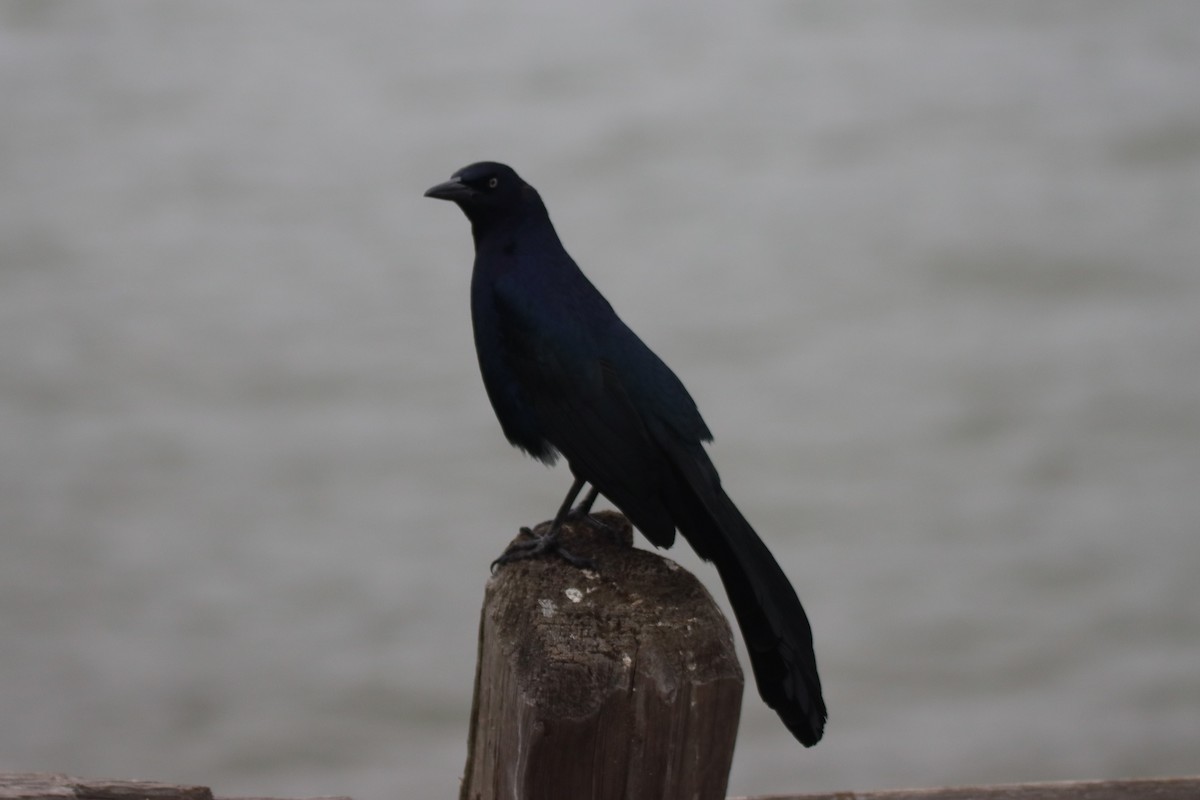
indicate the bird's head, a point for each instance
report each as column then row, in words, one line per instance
column 486, row 191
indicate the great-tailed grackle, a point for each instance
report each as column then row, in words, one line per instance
column 565, row 375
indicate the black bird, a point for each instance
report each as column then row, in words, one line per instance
column 566, row 376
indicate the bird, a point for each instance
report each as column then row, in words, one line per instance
column 566, row 376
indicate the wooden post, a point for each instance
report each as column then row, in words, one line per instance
column 621, row 682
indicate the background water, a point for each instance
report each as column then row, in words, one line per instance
column 932, row 271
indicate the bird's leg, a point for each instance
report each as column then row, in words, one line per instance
column 547, row 542
column 584, row 511
column 565, row 512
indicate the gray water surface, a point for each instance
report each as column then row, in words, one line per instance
column 931, row 270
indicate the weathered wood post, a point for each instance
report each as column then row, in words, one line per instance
column 621, row 682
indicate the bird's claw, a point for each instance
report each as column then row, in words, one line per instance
column 537, row 544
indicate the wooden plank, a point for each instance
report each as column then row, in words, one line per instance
column 56, row 786
column 1184, row 788
column 45, row 786
column 621, row 682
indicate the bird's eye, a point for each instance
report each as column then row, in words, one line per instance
column 492, row 182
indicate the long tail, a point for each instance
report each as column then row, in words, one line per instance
column 773, row 622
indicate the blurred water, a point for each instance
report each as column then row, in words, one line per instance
column 932, row 271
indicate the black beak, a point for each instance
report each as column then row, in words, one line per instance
column 452, row 189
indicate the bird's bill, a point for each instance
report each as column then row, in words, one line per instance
column 452, row 189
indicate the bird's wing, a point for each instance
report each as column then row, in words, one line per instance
column 605, row 440
column 584, row 410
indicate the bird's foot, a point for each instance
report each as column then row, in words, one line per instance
column 538, row 544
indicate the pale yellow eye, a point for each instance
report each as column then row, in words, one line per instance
column 492, row 182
